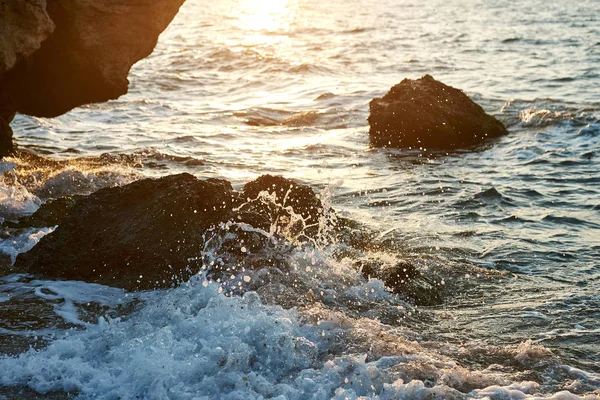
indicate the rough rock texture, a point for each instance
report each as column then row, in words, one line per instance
column 135, row 236
column 24, row 25
column 405, row 279
column 425, row 113
column 87, row 57
column 157, row 233
column 142, row 235
column 296, row 208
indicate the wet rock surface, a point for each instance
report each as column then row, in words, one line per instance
column 406, row 280
column 145, row 234
column 157, row 233
column 138, row 236
column 425, row 113
column 24, row 25
column 293, row 205
column 51, row 213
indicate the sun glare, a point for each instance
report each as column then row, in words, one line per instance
column 265, row 15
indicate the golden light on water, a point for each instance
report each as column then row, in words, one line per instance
column 265, row 15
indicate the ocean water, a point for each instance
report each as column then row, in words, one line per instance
column 240, row 88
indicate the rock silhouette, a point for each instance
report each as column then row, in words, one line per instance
column 60, row 54
column 425, row 113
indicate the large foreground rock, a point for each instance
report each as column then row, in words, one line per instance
column 135, row 236
column 143, row 235
column 157, row 233
column 425, row 113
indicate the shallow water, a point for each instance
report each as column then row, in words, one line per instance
column 239, row 88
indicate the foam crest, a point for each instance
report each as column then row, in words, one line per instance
column 16, row 199
column 23, row 242
column 543, row 117
column 46, row 178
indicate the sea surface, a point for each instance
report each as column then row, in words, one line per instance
column 240, row 88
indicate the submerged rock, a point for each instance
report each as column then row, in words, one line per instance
column 406, row 280
column 425, row 113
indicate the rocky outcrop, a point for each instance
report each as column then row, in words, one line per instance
column 24, row 25
column 59, row 54
column 87, row 57
column 425, row 113
column 143, row 235
column 138, row 236
column 157, row 233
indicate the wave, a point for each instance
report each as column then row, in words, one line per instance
column 544, row 117
column 28, row 179
column 327, row 119
column 569, row 221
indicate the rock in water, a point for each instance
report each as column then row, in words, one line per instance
column 425, row 113
column 138, row 236
column 51, row 213
column 86, row 59
column 406, row 280
column 295, row 207
column 143, row 235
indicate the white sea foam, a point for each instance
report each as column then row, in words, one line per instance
column 16, row 199
column 193, row 342
column 23, row 242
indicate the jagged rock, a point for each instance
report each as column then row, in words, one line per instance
column 138, row 236
column 406, row 280
column 296, row 208
column 147, row 234
column 24, row 25
column 87, row 57
column 156, row 233
column 425, row 113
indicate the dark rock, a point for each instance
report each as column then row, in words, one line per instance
column 157, row 233
column 51, row 213
column 151, row 233
column 138, row 236
column 6, row 134
column 406, row 280
column 295, row 208
column 24, row 25
column 425, row 113
column 86, row 59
